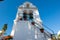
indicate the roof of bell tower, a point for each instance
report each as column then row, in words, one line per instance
column 27, row 5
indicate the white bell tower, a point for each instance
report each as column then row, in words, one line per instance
column 25, row 24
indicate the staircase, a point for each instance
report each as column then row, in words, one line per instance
column 46, row 33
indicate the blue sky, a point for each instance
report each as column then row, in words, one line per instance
column 49, row 12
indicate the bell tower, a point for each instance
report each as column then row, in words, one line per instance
column 25, row 24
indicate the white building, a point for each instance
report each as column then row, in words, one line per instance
column 27, row 24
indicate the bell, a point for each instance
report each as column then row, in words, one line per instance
column 25, row 19
column 32, row 23
column 42, row 30
column 20, row 18
column 27, row 5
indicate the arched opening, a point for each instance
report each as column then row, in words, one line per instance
column 25, row 14
column 30, row 14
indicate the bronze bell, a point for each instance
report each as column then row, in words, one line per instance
column 27, row 5
column 42, row 30
column 32, row 23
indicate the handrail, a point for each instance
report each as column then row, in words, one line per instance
column 44, row 32
column 46, row 27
